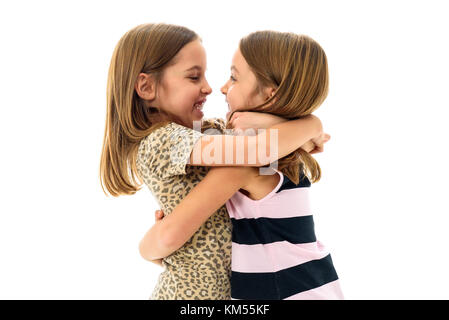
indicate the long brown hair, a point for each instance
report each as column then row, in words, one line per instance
column 147, row 48
column 296, row 66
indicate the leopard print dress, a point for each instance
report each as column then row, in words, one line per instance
column 201, row 269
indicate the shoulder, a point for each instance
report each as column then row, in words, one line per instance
column 166, row 150
column 154, row 138
column 169, row 131
column 172, row 134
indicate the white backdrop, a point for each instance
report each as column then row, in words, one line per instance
column 381, row 206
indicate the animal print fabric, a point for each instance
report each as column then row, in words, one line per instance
column 201, row 269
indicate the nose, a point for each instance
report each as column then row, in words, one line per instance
column 224, row 89
column 206, row 89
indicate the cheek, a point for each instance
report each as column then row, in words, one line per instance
column 184, row 97
column 233, row 98
column 191, row 96
column 255, row 99
column 238, row 98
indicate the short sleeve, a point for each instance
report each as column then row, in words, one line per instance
column 166, row 151
column 213, row 123
column 215, row 126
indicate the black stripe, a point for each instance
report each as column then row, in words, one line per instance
column 268, row 230
column 254, row 286
column 304, row 182
column 284, row 283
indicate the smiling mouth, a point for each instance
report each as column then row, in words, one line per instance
column 199, row 104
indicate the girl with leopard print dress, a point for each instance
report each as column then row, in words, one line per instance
column 155, row 92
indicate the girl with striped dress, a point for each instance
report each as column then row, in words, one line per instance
column 275, row 252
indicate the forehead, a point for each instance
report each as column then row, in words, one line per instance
column 192, row 54
column 239, row 62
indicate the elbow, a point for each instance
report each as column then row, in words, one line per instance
column 318, row 125
column 158, row 248
column 145, row 252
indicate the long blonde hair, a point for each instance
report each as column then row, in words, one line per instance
column 147, row 48
column 296, row 66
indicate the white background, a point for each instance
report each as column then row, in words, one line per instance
column 381, row 206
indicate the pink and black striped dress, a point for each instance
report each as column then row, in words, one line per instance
column 275, row 254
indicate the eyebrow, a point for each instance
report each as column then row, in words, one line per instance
column 234, row 68
column 194, row 68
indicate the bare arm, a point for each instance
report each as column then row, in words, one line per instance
column 158, row 215
column 170, row 233
column 228, row 150
column 260, row 120
column 157, row 261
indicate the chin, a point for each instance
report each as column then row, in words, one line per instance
column 197, row 118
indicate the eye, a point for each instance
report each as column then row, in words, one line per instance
column 194, row 78
column 232, row 78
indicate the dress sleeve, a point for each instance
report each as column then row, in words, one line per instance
column 217, row 124
column 166, row 151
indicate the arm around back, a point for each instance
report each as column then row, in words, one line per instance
column 174, row 230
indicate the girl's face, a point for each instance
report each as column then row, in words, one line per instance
column 241, row 89
column 183, row 88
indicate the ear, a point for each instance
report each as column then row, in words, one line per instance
column 269, row 92
column 145, row 86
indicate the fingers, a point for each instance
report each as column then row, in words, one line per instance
column 319, row 144
column 317, row 150
column 322, row 139
column 159, row 214
column 233, row 118
column 235, row 115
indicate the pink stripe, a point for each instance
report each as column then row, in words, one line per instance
column 329, row 291
column 274, row 256
column 285, row 204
